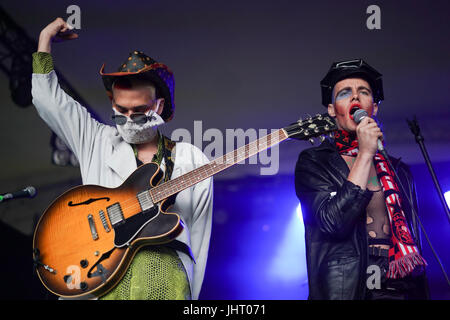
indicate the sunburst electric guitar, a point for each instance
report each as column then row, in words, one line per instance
column 86, row 239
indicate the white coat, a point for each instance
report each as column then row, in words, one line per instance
column 107, row 160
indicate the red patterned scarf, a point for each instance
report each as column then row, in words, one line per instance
column 404, row 257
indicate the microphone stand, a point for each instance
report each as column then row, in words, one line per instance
column 415, row 129
column 414, row 126
column 416, row 216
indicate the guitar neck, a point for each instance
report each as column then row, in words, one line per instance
column 187, row 180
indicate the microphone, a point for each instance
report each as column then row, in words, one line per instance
column 28, row 192
column 358, row 116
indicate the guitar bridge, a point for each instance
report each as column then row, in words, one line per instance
column 104, row 222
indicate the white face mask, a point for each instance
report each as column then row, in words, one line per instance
column 134, row 133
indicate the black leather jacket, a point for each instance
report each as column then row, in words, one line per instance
column 335, row 223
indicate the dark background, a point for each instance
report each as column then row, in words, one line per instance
column 238, row 64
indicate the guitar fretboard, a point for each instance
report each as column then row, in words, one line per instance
column 187, row 180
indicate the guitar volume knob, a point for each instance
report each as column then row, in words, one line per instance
column 84, row 263
column 67, row 278
column 83, row 286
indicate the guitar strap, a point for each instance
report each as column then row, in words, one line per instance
column 165, row 148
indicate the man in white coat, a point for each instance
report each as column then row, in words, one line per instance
column 142, row 97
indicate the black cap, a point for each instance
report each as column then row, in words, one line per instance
column 348, row 69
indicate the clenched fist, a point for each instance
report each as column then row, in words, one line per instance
column 56, row 31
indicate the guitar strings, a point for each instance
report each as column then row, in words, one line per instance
column 173, row 186
column 185, row 181
column 246, row 151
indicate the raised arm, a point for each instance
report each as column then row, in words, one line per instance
column 65, row 116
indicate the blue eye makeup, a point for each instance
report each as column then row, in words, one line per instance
column 347, row 93
column 343, row 94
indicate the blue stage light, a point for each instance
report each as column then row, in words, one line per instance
column 447, row 198
column 289, row 264
column 299, row 212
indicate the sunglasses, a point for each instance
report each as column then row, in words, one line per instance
column 137, row 117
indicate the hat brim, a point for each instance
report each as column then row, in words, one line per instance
column 328, row 83
column 154, row 72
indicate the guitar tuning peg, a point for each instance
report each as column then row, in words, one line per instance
column 322, row 138
column 309, row 118
column 311, row 140
column 319, row 116
column 300, row 121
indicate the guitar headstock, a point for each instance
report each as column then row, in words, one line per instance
column 311, row 127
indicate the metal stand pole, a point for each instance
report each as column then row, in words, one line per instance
column 415, row 129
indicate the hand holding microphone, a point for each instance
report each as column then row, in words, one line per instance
column 369, row 134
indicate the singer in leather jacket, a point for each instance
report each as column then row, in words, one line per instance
column 337, row 249
column 341, row 193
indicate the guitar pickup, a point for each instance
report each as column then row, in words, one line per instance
column 92, row 227
column 145, row 200
column 115, row 214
